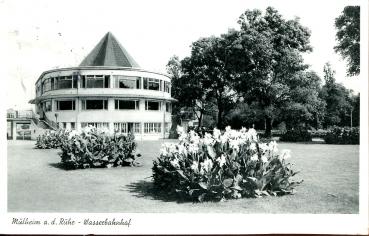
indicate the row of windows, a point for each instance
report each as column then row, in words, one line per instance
column 102, row 81
column 122, row 127
column 103, row 105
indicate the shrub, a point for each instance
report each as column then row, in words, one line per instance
column 218, row 167
column 339, row 135
column 92, row 148
column 320, row 133
column 297, row 135
column 51, row 139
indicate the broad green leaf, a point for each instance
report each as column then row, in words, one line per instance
column 211, row 152
column 227, row 182
column 203, row 185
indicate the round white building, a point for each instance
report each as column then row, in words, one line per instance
column 108, row 90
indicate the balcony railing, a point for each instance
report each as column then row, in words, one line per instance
column 24, row 114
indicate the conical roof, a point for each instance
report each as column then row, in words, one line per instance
column 109, row 52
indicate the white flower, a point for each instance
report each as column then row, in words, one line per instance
column 264, row 159
column 182, row 149
column 233, row 134
column 72, row 134
column 193, row 148
column 253, row 135
column 221, row 160
column 168, row 149
column 163, row 151
column 228, row 128
column 182, row 137
column 208, row 139
column 234, row 144
column 175, row 163
column 216, row 134
column 253, row 146
column 194, row 137
column 273, row 146
column 263, row 147
column 207, row 165
column 195, row 166
column 285, row 154
column 180, row 130
column 223, row 138
column 243, row 130
column 254, row 157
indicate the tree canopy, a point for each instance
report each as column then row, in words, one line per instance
column 348, row 37
column 257, row 73
column 338, row 99
column 274, row 46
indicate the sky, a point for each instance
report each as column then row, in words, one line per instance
column 41, row 35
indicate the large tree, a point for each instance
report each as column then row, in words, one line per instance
column 348, row 37
column 269, row 52
column 188, row 92
column 207, row 68
column 338, row 99
column 305, row 108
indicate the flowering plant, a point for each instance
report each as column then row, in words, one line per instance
column 223, row 166
column 97, row 148
column 51, row 139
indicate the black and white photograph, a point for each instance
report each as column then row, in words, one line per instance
column 184, row 117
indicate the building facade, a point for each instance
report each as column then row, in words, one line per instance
column 108, row 90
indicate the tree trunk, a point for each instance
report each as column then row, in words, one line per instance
column 268, row 127
column 200, row 119
column 220, row 121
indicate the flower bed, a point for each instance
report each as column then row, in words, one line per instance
column 51, row 139
column 93, row 148
column 223, row 166
column 340, row 135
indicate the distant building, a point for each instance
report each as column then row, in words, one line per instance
column 107, row 90
column 19, row 124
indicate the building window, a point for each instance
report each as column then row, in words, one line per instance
column 151, row 84
column 95, row 81
column 97, row 125
column 65, row 105
column 124, row 127
column 168, row 107
column 73, row 125
column 75, row 81
column 129, row 82
column 152, row 128
column 138, row 83
column 94, row 104
column 47, row 106
column 136, row 127
column 46, row 85
column 152, row 106
column 166, row 87
column 63, row 82
column 127, row 105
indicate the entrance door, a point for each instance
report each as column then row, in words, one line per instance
column 9, row 131
column 130, row 127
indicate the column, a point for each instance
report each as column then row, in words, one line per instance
column 14, row 130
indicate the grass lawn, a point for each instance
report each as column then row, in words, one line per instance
column 36, row 183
